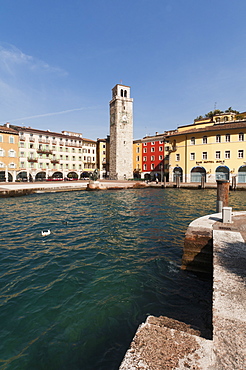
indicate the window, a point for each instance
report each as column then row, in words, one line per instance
column 160, row 148
column 152, row 149
column 152, row 166
column 204, row 140
column 177, row 157
column 240, row 153
column 152, row 143
column 228, row 138
column 152, row 157
column 1, row 138
column 11, row 153
column 160, row 157
column 218, row 138
column 161, row 141
column 11, row 139
column 192, row 156
column 137, row 158
column 192, row 141
column 145, row 159
column 138, row 150
column 204, row 155
column 217, row 154
column 21, row 144
column 12, row 165
column 227, row 154
column 241, row 136
column 145, row 144
column 22, row 164
column 22, row 154
column 167, row 148
column 145, row 167
column 145, row 150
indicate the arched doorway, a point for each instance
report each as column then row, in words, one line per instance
column 147, row 176
column 57, row 175
column 242, row 174
column 85, row 175
column 22, row 176
column 41, row 176
column 3, row 178
column 177, row 172
column 72, row 176
column 222, row 173
column 197, row 173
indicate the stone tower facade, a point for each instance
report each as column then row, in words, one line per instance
column 121, row 133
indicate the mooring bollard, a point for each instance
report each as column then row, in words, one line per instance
column 164, row 181
column 203, row 182
column 222, row 194
column 233, row 183
column 177, row 181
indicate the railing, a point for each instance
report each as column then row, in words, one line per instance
column 55, row 161
column 22, row 138
column 30, row 159
column 31, row 139
column 44, row 151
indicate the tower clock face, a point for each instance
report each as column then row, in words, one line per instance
column 124, row 118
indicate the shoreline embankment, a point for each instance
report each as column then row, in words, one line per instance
column 17, row 189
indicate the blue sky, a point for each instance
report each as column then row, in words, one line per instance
column 60, row 59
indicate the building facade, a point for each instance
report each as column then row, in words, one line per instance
column 9, row 150
column 121, row 133
column 137, row 158
column 50, row 155
column 212, row 148
column 153, row 156
column 103, row 158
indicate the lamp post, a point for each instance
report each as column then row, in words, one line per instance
column 161, row 165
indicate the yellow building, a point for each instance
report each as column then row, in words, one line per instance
column 137, row 158
column 9, row 149
column 213, row 147
column 102, row 157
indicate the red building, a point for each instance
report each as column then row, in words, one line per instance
column 153, row 155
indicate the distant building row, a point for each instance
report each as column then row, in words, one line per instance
column 213, row 148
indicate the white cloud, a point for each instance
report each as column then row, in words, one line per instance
column 11, row 58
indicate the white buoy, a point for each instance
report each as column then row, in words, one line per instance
column 45, row 233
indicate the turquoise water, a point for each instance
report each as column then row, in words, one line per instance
column 74, row 299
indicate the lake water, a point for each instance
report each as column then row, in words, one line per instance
column 74, row 299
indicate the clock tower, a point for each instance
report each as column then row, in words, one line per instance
column 121, row 133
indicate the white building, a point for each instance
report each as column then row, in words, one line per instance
column 46, row 154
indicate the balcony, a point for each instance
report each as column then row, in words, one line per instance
column 55, row 161
column 31, row 139
column 44, row 151
column 32, row 159
column 44, row 141
column 22, row 138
